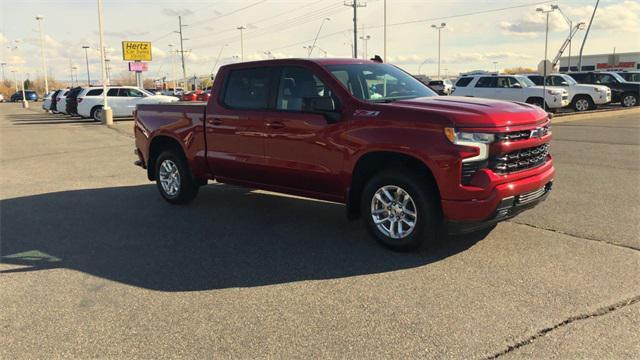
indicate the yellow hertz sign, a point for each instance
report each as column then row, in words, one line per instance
column 136, row 51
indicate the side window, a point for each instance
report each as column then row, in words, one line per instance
column 581, row 78
column 131, row 93
column 513, row 81
column 112, row 92
column 298, row 87
column 557, row 81
column 605, row 79
column 463, row 82
column 486, row 82
column 536, row 79
column 502, row 82
column 94, row 92
column 247, row 89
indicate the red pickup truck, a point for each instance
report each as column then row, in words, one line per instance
column 408, row 162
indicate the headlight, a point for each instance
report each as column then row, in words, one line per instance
column 473, row 139
column 554, row 92
column 599, row 89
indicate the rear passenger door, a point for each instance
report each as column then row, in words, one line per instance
column 131, row 97
column 235, row 128
column 115, row 101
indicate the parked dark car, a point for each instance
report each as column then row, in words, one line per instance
column 633, row 76
column 72, row 101
column 29, row 94
column 54, row 101
column 622, row 91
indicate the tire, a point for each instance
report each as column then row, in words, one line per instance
column 96, row 113
column 629, row 100
column 174, row 179
column 583, row 103
column 422, row 203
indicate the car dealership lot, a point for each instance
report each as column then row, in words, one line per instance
column 96, row 264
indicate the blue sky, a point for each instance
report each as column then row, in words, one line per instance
column 512, row 37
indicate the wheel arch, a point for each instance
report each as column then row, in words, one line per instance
column 157, row 145
column 373, row 162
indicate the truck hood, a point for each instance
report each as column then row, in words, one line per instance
column 477, row 112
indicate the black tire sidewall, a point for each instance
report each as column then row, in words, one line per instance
column 188, row 188
column 426, row 227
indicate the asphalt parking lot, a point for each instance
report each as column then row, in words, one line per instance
column 96, row 264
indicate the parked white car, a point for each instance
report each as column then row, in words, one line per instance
column 582, row 97
column 61, row 102
column 46, row 101
column 511, row 87
column 122, row 100
column 442, row 87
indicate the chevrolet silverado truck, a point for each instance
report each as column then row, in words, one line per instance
column 409, row 163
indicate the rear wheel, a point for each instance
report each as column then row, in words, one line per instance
column 582, row 103
column 629, row 100
column 97, row 113
column 174, row 179
column 399, row 210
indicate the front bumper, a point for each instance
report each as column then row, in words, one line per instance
column 483, row 212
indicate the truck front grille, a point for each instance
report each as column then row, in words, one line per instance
column 520, row 159
column 523, row 134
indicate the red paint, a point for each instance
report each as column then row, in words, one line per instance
column 305, row 154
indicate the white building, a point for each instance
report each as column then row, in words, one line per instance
column 620, row 61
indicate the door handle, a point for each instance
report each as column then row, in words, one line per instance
column 215, row 121
column 275, row 125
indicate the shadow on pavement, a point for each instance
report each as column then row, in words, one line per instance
column 228, row 237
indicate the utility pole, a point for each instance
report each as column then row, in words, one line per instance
column 39, row 18
column 546, row 42
column 355, row 5
column 3, row 65
column 439, row 28
column 587, row 34
column 86, row 55
column 180, row 26
column 241, row 28
column 173, row 68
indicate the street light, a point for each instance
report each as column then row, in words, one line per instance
column 316, row 38
column 364, row 39
column 439, row 28
column 546, row 41
column 3, row 65
column 86, row 55
column 570, row 23
column 241, row 28
column 107, row 113
column 39, row 18
column 495, row 66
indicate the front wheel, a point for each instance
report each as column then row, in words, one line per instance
column 400, row 210
column 582, row 103
column 174, row 179
column 629, row 100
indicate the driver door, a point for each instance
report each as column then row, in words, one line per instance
column 299, row 151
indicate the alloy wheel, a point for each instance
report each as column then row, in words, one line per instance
column 394, row 212
column 169, row 177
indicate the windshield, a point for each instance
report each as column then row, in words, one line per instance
column 525, row 81
column 379, row 82
column 618, row 77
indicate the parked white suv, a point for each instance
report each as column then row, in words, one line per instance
column 511, row 87
column 61, row 102
column 121, row 99
column 582, row 97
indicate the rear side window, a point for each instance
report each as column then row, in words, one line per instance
column 247, row 89
column 436, row 82
column 486, row 82
column 581, row 78
column 94, row 92
column 112, row 92
column 462, row 82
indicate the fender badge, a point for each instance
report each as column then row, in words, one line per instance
column 366, row 113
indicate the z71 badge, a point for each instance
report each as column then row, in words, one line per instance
column 366, row 113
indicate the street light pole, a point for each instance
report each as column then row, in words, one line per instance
column 241, row 28
column 316, row 38
column 15, row 79
column 544, row 65
column 384, row 35
column 39, row 18
column 3, row 65
column 364, row 39
column 439, row 28
column 86, row 56
column 107, row 114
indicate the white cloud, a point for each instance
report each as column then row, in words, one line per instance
column 533, row 25
column 624, row 16
column 177, row 12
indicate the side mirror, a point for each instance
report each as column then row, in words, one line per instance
column 564, row 83
column 517, row 86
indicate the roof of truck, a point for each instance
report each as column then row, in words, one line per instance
column 319, row 61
